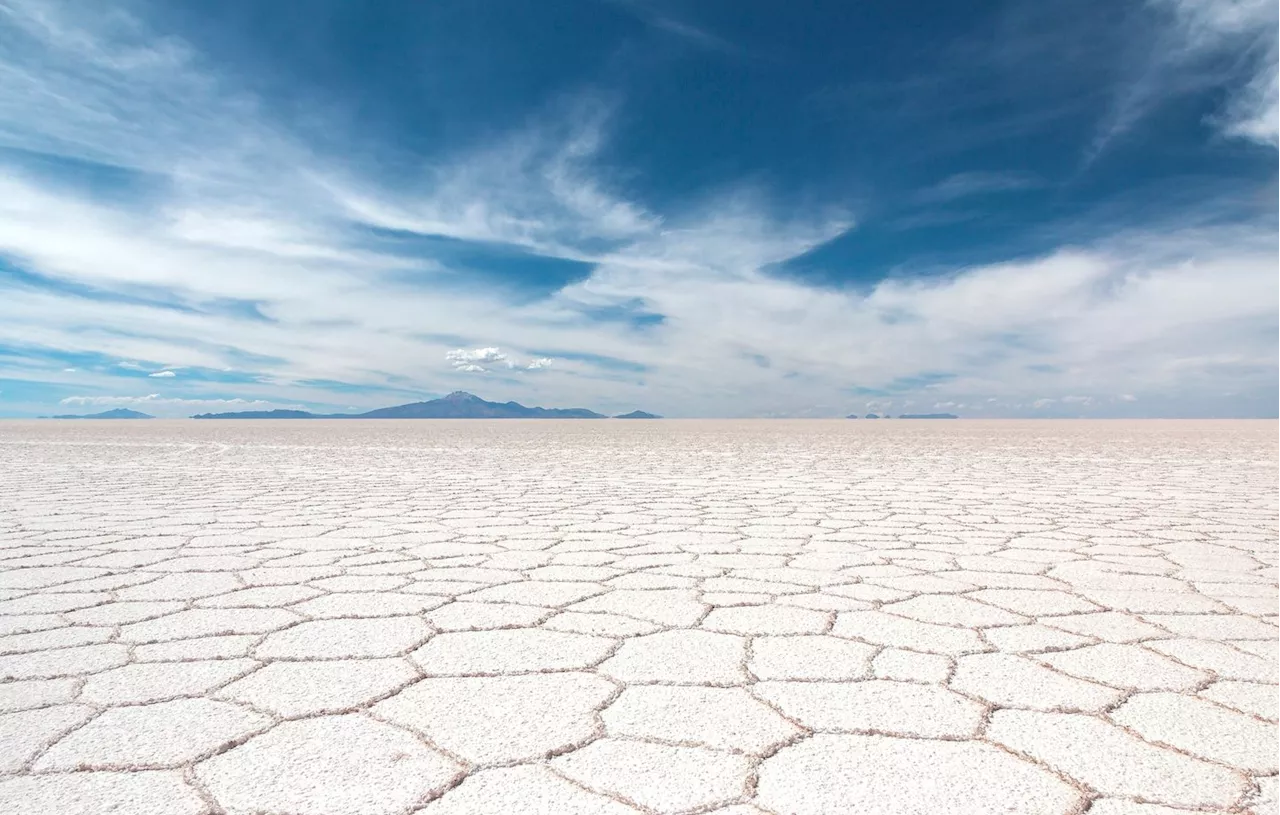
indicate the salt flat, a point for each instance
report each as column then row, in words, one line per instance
column 579, row 617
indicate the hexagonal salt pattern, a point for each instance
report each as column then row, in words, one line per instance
column 739, row 618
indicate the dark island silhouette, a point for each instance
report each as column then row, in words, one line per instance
column 116, row 413
column 638, row 414
column 457, row 405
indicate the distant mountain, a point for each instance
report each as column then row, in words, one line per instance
column 638, row 414
column 262, row 414
column 463, row 405
column 872, row 416
column 928, row 416
column 852, row 416
column 116, row 413
column 457, row 405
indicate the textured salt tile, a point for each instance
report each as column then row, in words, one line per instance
column 829, row 774
column 523, row 789
column 679, row 657
column 1266, row 800
column 588, row 574
column 1215, row 626
column 259, row 597
column 63, row 662
column 1223, row 660
column 1114, row 806
column 910, row 666
column 206, row 622
column 132, row 793
column 1125, row 666
column 763, row 620
column 502, row 718
column 293, row 689
column 725, row 599
column 337, row 765
column 26, row 733
column 468, row 616
column 55, row 638
column 273, row 575
column 888, row 629
column 33, row 693
column 122, row 613
column 1153, row 602
column 877, row 705
column 181, row 587
column 720, row 718
column 1108, row 625
column 165, row 734
column 27, row 623
column 1024, row 639
column 1033, row 602
column 48, row 603
column 661, row 777
column 1202, row 729
column 809, row 657
column 1260, row 700
column 603, row 625
column 207, row 563
column 676, row 607
column 227, row 646
column 951, row 610
column 652, row 580
column 155, row 681
column 332, row 639
column 509, row 651
column 1012, row 681
column 41, row 577
column 1114, row 762
column 368, row 604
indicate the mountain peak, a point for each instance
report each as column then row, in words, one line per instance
column 462, row 396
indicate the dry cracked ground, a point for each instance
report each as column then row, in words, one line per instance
column 315, row 618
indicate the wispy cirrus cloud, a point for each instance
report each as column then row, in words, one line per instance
column 1199, row 44
column 965, row 185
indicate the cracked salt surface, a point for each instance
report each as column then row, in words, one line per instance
column 740, row 618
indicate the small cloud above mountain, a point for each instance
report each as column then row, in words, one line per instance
column 483, row 360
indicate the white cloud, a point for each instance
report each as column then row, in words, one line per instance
column 539, row 364
column 474, row 360
column 162, row 374
column 1245, row 30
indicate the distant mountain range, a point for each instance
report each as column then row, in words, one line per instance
column 457, row 405
column 117, row 413
column 638, row 414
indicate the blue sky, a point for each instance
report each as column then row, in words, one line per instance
column 713, row 208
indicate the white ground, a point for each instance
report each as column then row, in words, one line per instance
column 300, row 618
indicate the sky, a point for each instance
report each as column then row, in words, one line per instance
column 721, row 208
